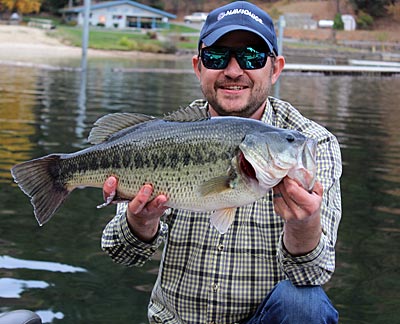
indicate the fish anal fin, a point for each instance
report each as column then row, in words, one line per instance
column 222, row 219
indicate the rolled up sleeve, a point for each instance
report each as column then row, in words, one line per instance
column 317, row 267
column 314, row 268
column 123, row 247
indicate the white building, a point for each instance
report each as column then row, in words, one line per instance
column 349, row 22
column 121, row 15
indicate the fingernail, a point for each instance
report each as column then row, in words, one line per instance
column 111, row 182
column 147, row 191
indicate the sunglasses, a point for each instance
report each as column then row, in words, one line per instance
column 248, row 58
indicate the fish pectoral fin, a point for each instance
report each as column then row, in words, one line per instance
column 215, row 186
column 222, row 219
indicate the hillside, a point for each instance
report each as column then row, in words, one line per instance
column 385, row 29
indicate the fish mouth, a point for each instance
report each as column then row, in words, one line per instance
column 246, row 167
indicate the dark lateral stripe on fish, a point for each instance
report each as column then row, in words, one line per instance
column 38, row 180
column 151, row 160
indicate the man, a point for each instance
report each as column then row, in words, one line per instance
column 269, row 266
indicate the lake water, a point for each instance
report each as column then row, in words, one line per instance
column 59, row 269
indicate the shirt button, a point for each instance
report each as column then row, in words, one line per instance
column 220, row 247
column 215, row 287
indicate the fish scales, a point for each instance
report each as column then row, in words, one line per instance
column 199, row 163
column 174, row 157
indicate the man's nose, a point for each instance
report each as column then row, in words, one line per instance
column 233, row 69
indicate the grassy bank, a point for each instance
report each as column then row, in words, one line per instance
column 168, row 41
column 174, row 40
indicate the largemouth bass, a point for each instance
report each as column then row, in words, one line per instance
column 199, row 163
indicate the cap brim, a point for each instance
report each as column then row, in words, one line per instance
column 217, row 34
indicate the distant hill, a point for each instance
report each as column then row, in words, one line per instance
column 384, row 29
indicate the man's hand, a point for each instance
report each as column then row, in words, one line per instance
column 301, row 211
column 143, row 214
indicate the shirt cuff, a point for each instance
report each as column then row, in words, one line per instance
column 308, row 269
column 127, row 236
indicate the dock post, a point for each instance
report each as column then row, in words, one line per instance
column 281, row 27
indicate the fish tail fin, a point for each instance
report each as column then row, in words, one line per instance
column 39, row 179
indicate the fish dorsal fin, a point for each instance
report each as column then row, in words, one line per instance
column 188, row 114
column 110, row 124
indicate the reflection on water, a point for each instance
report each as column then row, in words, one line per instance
column 12, row 288
column 7, row 262
column 59, row 269
column 48, row 316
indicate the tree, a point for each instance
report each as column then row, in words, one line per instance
column 375, row 8
column 53, row 6
column 22, row 6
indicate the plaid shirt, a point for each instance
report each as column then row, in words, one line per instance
column 206, row 277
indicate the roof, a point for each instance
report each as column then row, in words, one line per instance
column 117, row 3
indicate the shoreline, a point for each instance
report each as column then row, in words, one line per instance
column 28, row 45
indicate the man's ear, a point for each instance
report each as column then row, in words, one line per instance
column 196, row 64
column 278, row 67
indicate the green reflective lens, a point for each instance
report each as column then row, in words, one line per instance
column 215, row 59
column 248, row 58
column 251, row 59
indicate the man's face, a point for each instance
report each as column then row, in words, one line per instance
column 233, row 90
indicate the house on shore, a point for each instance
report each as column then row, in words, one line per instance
column 120, row 14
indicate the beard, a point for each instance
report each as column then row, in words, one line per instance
column 225, row 107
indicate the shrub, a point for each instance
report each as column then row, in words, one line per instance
column 275, row 13
column 338, row 22
column 72, row 23
column 169, row 47
column 152, row 35
column 364, row 20
column 394, row 11
column 152, row 48
column 127, row 43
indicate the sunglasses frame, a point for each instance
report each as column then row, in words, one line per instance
column 236, row 52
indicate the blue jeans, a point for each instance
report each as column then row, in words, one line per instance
column 288, row 304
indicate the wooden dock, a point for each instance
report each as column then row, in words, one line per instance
column 342, row 69
column 289, row 68
column 294, row 68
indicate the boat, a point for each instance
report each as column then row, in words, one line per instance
column 20, row 316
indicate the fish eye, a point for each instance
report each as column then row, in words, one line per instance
column 290, row 138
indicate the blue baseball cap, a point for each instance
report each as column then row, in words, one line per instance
column 239, row 15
